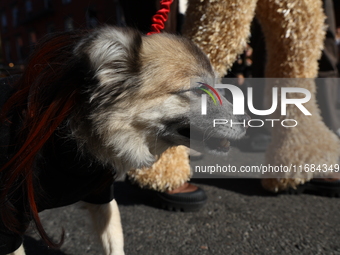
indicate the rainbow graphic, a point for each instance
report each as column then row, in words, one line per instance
column 209, row 93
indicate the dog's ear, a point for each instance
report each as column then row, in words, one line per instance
column 112, row 47
column 114, row 58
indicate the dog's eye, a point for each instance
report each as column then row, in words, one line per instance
column 199, row 90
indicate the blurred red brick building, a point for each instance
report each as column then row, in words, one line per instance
column 24, row 22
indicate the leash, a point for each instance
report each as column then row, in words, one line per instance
column 160, row 17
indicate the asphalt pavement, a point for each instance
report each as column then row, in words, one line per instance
column 239, row 218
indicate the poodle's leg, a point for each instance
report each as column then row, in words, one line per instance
column 220, row 28
column 106, row 221
column 19, row 251
column 294, row 34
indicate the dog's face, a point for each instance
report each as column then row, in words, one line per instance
column 142, row 102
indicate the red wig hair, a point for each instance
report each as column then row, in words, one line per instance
column 45, row 96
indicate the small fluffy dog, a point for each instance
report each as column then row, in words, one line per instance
column 90, row 106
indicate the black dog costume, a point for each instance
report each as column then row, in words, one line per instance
column 62, row 177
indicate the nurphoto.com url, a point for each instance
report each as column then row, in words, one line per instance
column 267, row 168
